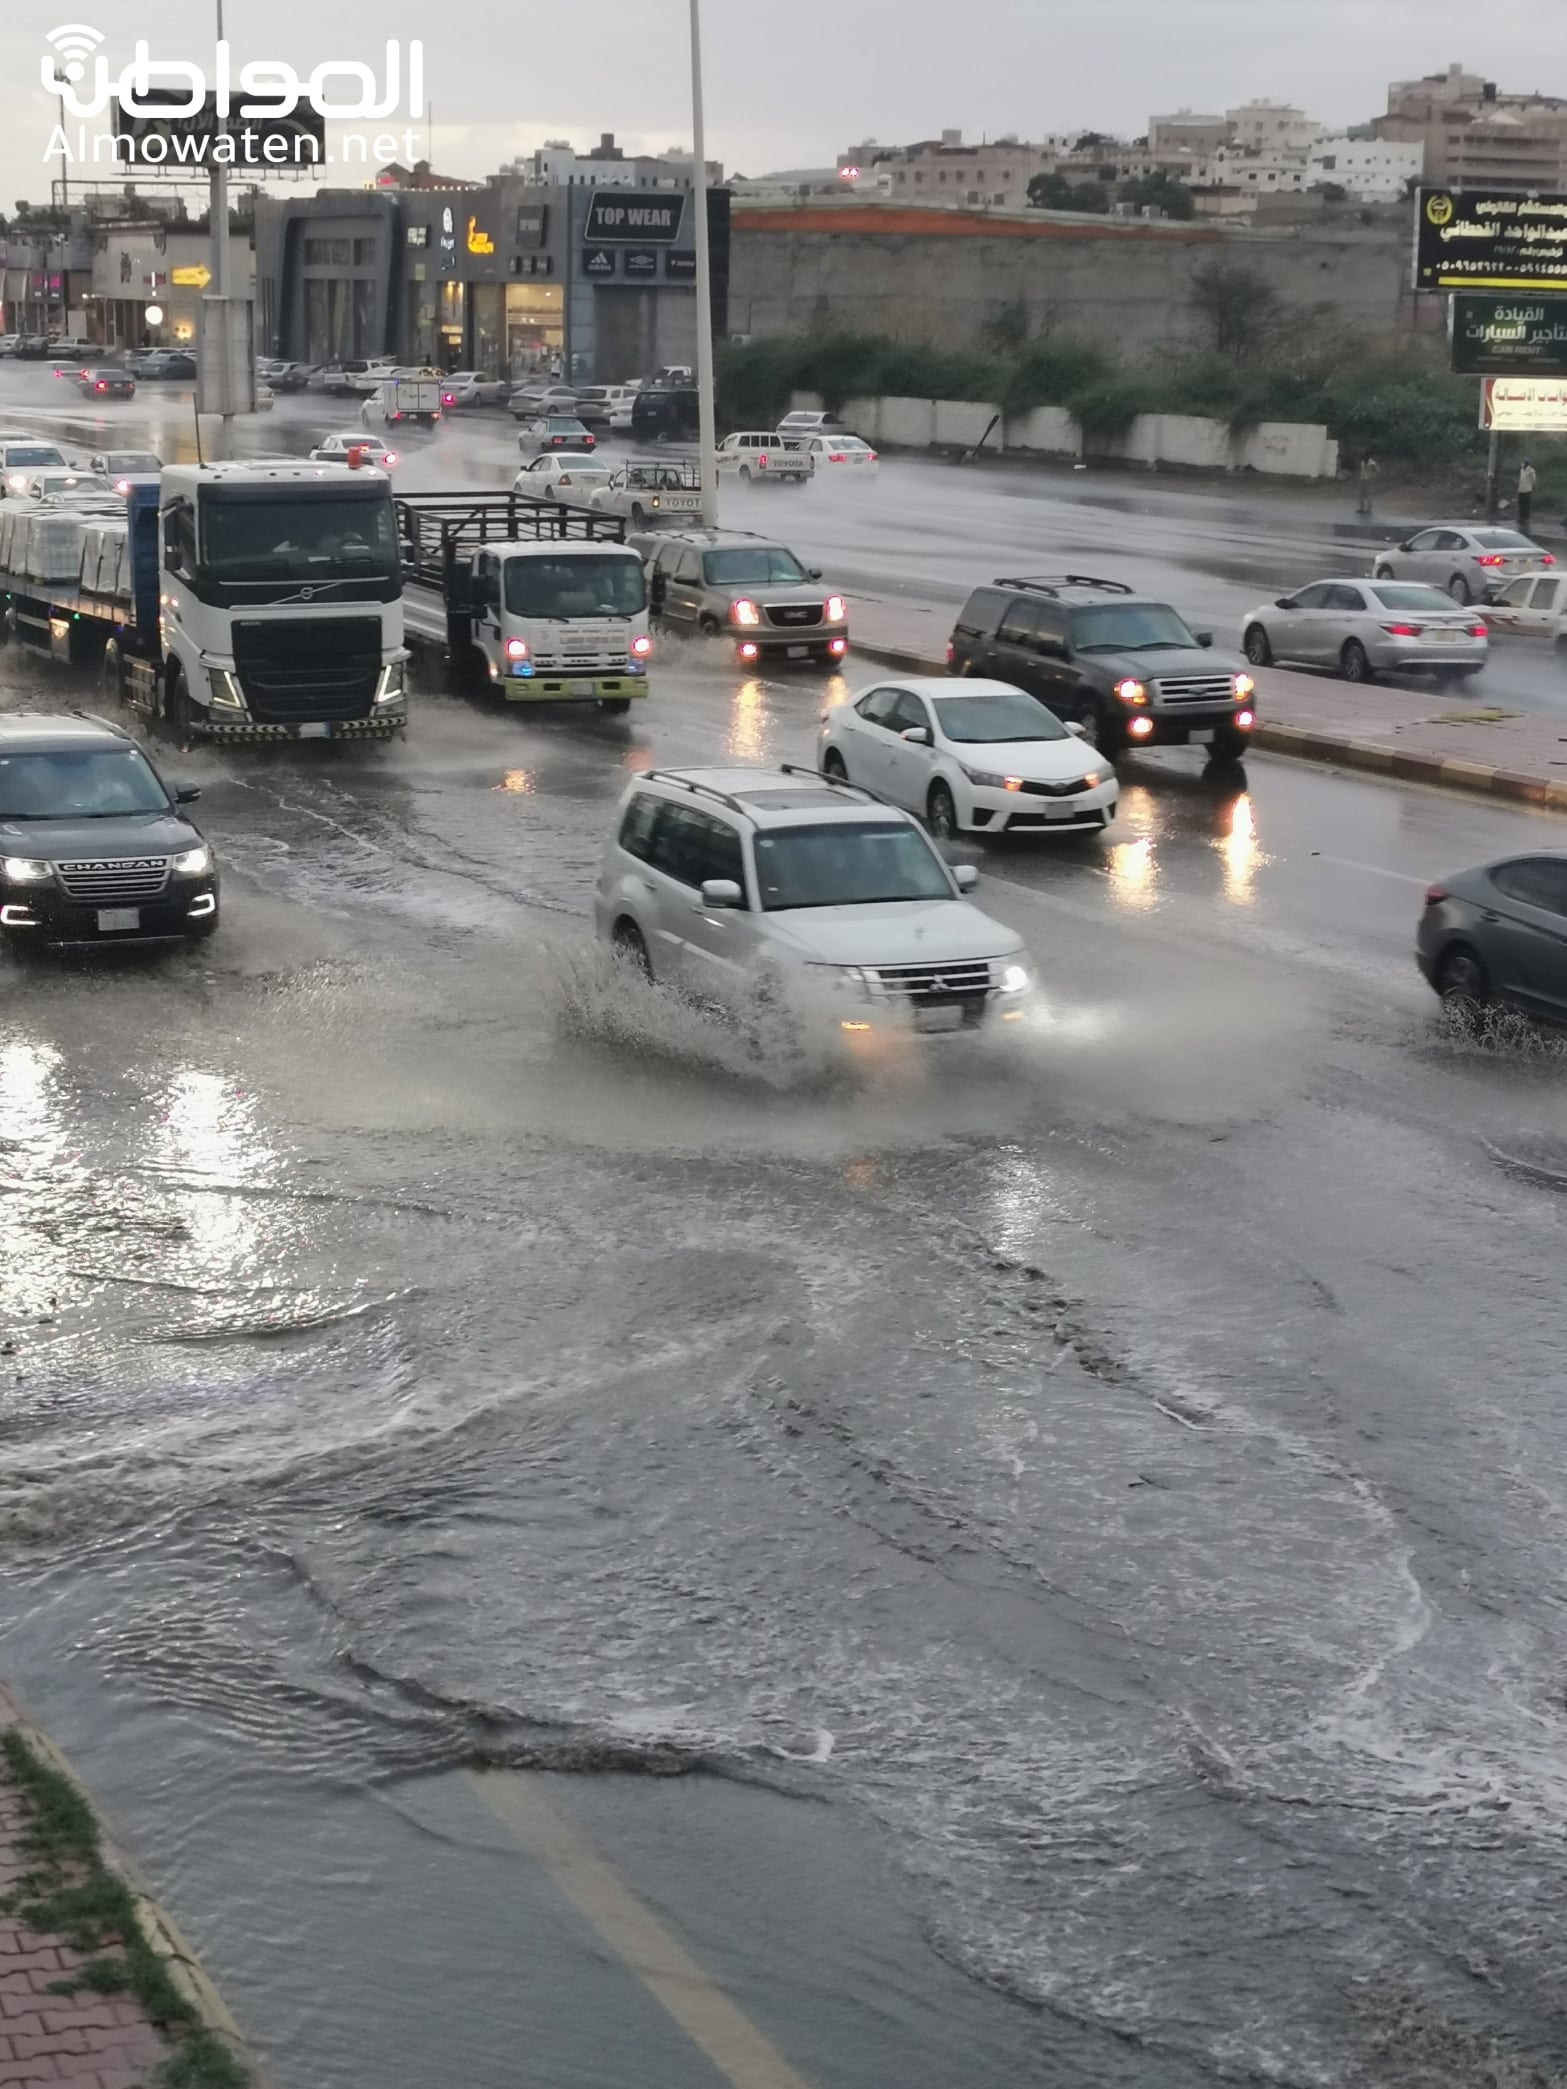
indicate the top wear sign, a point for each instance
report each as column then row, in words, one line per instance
column 1489, row 239
column 648, row 217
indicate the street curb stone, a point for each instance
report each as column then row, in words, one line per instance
column 1449, row 772
column 157, row 1926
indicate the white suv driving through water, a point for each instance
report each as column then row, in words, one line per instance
column 738, row 884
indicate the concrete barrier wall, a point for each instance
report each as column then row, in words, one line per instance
column 1283, row 449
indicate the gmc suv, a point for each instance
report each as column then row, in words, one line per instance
column 1128, row 670
column 748, row 589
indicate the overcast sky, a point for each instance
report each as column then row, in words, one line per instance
column 503, row 75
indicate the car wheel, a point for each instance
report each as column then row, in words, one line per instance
column 1230, row 744
column 745, row 475
column 111, row 674
column 1258, row 650
column 941, row 813
column 1459, row 589
column 629, row 949
column 1461, row 982
column 177, row 711
column 709, row 627
column 834, row 765
column 1382, row 570
column 1354, row 663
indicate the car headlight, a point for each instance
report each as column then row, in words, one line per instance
column 391, row 688
column 1016, row 978
column 225, row 689
column 1241, row 685
column 985, row 778
column 1092, row 781
column 745, row 612
column 25, row 870
column 1131, row 691
column 868, row 981
column 195, row 863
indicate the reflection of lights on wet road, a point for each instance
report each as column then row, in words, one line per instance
column 747, row 739
column 207, row 1127
column 1239, row 849
column 521, row 783
column 1022, row 1200
column 860, row 1174
column 1133, row 872
column 30, row 1112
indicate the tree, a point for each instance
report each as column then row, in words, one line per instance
column 1053, row 191
column 1333, row 192
column 1092, row 141
column 1240, row 309
column 1160, row 191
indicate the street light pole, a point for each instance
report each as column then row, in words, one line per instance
column 218, row 216
column 707, row 417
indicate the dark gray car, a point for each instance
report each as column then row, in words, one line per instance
column 1498, row 934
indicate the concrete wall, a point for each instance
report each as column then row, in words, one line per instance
column 1128, row 284
column 1284, row 449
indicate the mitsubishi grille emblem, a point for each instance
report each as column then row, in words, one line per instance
column 940, row 985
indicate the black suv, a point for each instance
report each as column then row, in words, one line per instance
column 93, row 845
column 1126, row 669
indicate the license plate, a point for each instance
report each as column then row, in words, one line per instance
column 111, row 919
column 1062, row 810
column 318, row 729
column 938, row 1019
column 580, row 688
column 798, row 652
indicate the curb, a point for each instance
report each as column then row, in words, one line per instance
column 1449, row 772
column 158, row 1927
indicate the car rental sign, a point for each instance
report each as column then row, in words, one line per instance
column 634, row 214
column 1487, row 239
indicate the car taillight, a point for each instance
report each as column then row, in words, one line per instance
column 1547, row 558
column 1479, row 630
column 836, row 457
column 952, row 651
column 564, row 479
column 871, row 458
column 448, row 398
column 590, row 442
column 1490, row 558
column 1402, row 630
column 1435, row 894
column 762, row 461
column 516, row 649
column 390, row 457
column 100, row 386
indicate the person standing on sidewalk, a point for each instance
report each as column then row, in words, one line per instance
column 1526, row 477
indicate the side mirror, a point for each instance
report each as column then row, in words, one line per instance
column 1077, row 729
column 1285, row 602
column 721, row 892
column 916, row 735
column 1205, row 638
column 964, row 876
column 815, row 572
column 186, row 793
column 1408, row 544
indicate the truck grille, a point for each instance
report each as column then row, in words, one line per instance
column 308, row 667
column 1195, row 689
column 790, row 615
column 936, row 986
column 107, row 882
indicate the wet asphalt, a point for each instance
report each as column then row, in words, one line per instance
column 1027, row 1566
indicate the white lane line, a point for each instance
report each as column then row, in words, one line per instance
column 1372, row 870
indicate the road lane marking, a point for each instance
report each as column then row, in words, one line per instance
column 1372, row 870
column 635, row 1934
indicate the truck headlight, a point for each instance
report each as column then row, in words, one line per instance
column 26, row 870
column 1016, row 978
column 225, row 690
column 1242, row 685
column 195, row 863
column 391, row 687
column 867, row 980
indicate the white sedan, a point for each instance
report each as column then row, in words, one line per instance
column 972, row 757
column 563, row 475
column 335, row 449
column 473, row 388
column 847, row 453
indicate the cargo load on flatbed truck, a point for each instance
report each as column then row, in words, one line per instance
column 254, row 601
column 550, row 600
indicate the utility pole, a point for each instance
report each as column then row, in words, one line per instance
column 215, row 369
column 1493, row 476
column 707, row 416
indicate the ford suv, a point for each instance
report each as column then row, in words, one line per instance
column 94, row 845
column 749, row 589
column 738, row 885
column 1128, row 670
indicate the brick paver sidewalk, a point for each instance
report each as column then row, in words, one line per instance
column 87, row 2040
column 1427, row 736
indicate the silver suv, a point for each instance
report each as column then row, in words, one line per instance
column 728, row 583
column 739, row 885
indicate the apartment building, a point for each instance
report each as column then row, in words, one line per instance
column 1471, row 134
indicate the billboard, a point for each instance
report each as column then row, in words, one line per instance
column 634, row 214
column 1524, row 405
column 1505, row 337
column 188, row 142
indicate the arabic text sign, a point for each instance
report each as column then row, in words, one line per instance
column 1510, row 336
column 1524, row 405
column 1485, row 239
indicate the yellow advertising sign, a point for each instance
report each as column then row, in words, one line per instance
column 196, row 278
column 479, row 242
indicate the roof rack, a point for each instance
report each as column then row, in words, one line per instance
column 837, row 783
column 686, row 783
column 1052, row 583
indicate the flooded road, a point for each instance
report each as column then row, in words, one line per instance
column 1029, row 1567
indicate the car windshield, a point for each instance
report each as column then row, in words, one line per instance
column 1394, row 597
column 290, row 538
column 851, row 864
column 558, row 426
column 612, row 585
column 97, row 783
column 31, row 453
column 122, row 461
column 1502, row 540
column 768, row 563
column 1129, row 627
column 975, row 721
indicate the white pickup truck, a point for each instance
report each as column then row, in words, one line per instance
column 405, row 397
column 762, row 454
column 650, row 493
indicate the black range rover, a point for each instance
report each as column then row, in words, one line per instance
column 94, row 845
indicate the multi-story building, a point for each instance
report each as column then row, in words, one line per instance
column 558, row 164
column 946, row 170
column 1178, row 142
column 1273, row 128
column 153, row 264
column 1370, row 170
column 1471, row 134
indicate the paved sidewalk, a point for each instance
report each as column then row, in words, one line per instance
column 1421, row 735
column 92, row 2038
